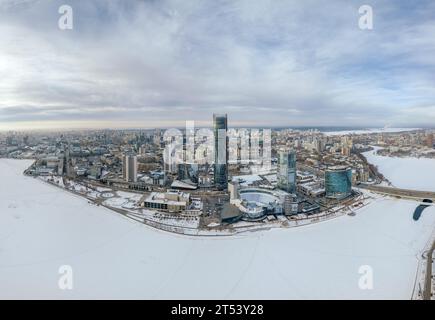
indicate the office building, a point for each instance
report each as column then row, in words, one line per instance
column 287, row 171
column 429, row 140
column 129, row 168
column 220, row 128
column 233, row 188
column 338, row 182
column 188, row 172
column 171, row 201
column 290, row 205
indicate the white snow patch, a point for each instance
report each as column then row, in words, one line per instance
column 405, row 173
column 246, row 180
column 369, row 130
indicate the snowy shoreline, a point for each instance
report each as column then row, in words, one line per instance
column 368, row 131
column 406, row 172
column 186, row 230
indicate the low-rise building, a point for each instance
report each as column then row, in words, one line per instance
column 171, row 201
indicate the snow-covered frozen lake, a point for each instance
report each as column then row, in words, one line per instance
column 43, row 228
column 369, row 130
column 405, row 173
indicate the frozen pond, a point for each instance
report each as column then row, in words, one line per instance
column 367, row 131
column 43, row 228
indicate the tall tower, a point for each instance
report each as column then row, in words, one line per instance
column 129, row 168
column 287, row 171
column 429, row 140
column 220, row 128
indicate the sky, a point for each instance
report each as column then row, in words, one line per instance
column 134, row 64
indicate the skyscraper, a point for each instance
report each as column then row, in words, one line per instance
column 429, row 140
column 338, row 182
column 220, row 128
column 287, row 171
column 187, row 171
column 129, row 168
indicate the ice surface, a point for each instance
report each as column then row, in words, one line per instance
column 43, row 227
column 405, row 173
column 369, row 130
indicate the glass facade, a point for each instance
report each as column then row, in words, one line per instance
column 188, row 171
column 338, row 183
column 287, row 171
column 220, row 128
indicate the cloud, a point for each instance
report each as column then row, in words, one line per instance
column 265, row 63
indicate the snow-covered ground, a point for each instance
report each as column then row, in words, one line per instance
column 43, row 227
column 405, row 173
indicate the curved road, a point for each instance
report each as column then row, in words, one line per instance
column 402, row 193
column 428, row 280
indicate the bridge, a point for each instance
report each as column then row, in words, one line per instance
column 400, row 193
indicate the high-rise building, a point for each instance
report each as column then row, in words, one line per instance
column 233, row 188
column 188, row 171
column 129, row 168
column 345, row 151
column 220, row 128
column 297, row 143
column 287, row 171
column 142, row 150
column 290, row 205
column 429, row 140
column 157, row 138
column 338, row 182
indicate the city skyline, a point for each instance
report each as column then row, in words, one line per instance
column 217, row 151
column 157, row 64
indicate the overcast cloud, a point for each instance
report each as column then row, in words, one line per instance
column 265, row 63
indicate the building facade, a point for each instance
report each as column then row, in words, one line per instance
column 129, row 168
column 187, row 171
column 430, row 140
column 338, row 182
column 291, row 205
column 171, row 201
column 287, row 171
column 220, row 128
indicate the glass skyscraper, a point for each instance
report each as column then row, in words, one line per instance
column 129, row 168
column 338, row 182
column 287, row 171
column 220, row 128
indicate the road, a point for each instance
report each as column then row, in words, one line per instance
column 402, row 193
column 428, row 280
